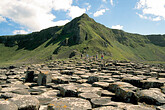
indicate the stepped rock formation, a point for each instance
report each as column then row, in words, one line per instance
column 73, row 85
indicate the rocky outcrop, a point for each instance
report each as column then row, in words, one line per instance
column 83, row 84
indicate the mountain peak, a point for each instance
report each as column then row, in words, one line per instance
column 84, row 16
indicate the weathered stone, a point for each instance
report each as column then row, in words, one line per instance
column 146, row 84
column 7, row 105
column 161, row 75
column 103, row 85
column 124, row 91
column 113, row 86
column 51, row 93
column 101, row 101
column 161, row 107
column 60, row 80
column 21, row 91
column 92, row 79
column 88, row 96
column 69, row 104
column 136, row 81
column 67, row 72
column 138, row 107
column 88, row 89
column 44, row 77
column 43, row 107
column 25, row 102
column 107, row 93
column 29, row 76
column 69, row 90
column 7, row 95
column 43, row 99
column 153, row 97
column 107, row 108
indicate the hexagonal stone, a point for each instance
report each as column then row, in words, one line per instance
column 92, row 79
column 138, row 107
column 152, row 83
column 44, row 77
column 103, row 85
column 70, row 104
column 101, row 101
column 107, row 108
column 161, row 107
column 26, row 102
column 7, row 105
column 151, row 96
column 44, row 100
column 69, row 90
column 107, row 93
column 88, row 89
column 67, row 72
column 60, row 80
column 88, row 96
column 161, row 75
column 133, row 80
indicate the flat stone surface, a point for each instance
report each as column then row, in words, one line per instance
column 69, row 104
column 107, row 108
column 7, row 105
column 101, row 101
column 88, row 96
column 138, row 107
column 103, row 85
column 26, row 102
column 153, row 97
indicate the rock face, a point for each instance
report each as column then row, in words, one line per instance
column 153, row 97
column 83, row 84
column 44, row 77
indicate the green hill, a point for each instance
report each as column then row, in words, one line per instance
column 81, row 35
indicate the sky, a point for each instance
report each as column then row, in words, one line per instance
column 133, row 16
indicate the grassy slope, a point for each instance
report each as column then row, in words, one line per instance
column 116, row 44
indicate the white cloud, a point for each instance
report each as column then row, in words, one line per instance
column 100, row 12
column 88, row 6
column 157, row 19
column 2, row 19
column 153, row 9
column 37, row 14
column 149, row 17
column 62, row 4
column 20, row 32
column 117, row 27
column 75, row 11
column 111, row 1
column 104, row 0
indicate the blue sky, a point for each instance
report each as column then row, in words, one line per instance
column 134, row 16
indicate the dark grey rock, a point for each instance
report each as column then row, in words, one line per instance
column 44, row 77
column 152, row 83
column 153, row 97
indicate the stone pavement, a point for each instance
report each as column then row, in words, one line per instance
column 83, row 85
